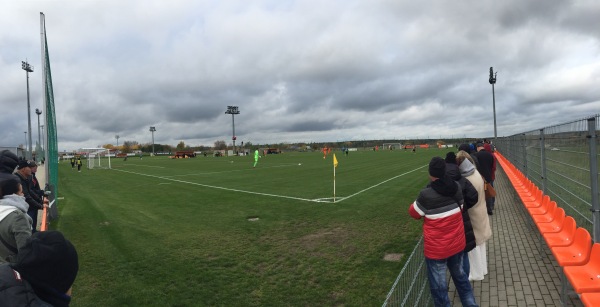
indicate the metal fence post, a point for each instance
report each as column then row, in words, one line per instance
column 594, row 177
column 543, row 160
column 524, row 148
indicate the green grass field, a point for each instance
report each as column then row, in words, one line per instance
column 162, row 232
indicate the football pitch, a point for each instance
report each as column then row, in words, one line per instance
column 212, row 231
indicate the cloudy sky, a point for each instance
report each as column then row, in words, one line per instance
column 299, row 71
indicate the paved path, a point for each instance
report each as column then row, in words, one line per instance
column 521, row 268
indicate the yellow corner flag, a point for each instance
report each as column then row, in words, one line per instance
column 335, row 163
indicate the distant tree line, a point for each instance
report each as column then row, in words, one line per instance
column 132, row 146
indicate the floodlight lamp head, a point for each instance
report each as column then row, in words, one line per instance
column 25, row 66
column 152, row 129
column 232, row 110
column 38, row 112
column 492, row 76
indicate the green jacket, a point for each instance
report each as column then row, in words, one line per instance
column 15, row 226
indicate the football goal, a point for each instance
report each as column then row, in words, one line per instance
column 97, row 158
column 392, row 146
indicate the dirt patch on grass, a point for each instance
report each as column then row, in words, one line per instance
column 335, row 242
column 393, row 257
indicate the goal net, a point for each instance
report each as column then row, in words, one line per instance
column 392, row 146
column 97, row 158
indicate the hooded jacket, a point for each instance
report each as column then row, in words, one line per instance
column 16, row 291
column 8, row 161
column 440, row 206
column 478, row 213
column 15, row 226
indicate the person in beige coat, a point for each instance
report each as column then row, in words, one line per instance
column 478, row 215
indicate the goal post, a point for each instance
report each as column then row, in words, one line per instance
column 97, row 158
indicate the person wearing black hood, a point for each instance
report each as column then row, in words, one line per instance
column 34, row 200
column 470, row 196
column 440, row 204
column 43, row 274
column 8, row 163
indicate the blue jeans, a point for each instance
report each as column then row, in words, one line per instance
column 436, row 274
column 466, row 264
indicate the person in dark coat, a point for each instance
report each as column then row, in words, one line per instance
column 486, row 166
column 31, row 197
column 43, row 274
column 470, row 197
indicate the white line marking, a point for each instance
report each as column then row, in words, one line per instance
column 216, row 187
column 416, row 169
column 318, row 200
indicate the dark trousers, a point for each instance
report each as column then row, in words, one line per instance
column 33, row 213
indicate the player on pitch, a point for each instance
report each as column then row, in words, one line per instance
column 256, row 156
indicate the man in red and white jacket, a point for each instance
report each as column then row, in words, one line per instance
column 440, row 205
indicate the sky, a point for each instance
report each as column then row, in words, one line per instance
column 299, row 71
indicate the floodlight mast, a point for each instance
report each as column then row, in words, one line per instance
column 233, row 110
column 492, row 82
column 28, row 68
column 152, row 129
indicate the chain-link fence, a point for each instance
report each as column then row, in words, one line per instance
column 562, row 160
column 410, row 287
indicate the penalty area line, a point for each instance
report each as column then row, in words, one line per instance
column 217, row 187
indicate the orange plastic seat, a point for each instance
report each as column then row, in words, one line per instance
column 590, row 299
column 546, row 217
column 537, row 201
column 555, row 225
column 543, row 208
column 564, row 237
column 577, row 253
column 586, row 278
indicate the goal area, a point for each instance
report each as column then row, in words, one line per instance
column 392, row 146
column 97, row 158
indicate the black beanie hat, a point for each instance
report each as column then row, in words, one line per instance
column 8, row 161
column 437, row 167
column 48, row 261
column 451, row 157
column 9, row 184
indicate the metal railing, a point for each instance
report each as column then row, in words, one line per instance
column 563, row 161
column 410, row 287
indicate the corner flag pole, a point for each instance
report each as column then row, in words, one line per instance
column 335, row 164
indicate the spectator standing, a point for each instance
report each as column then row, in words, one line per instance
column 32, row 199
column 43, row 274
column 486, row 166
column 479, row 218
column 15, row 224
column 470, row 199
column 440, row 204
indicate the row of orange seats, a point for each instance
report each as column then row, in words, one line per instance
column 571, row 246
